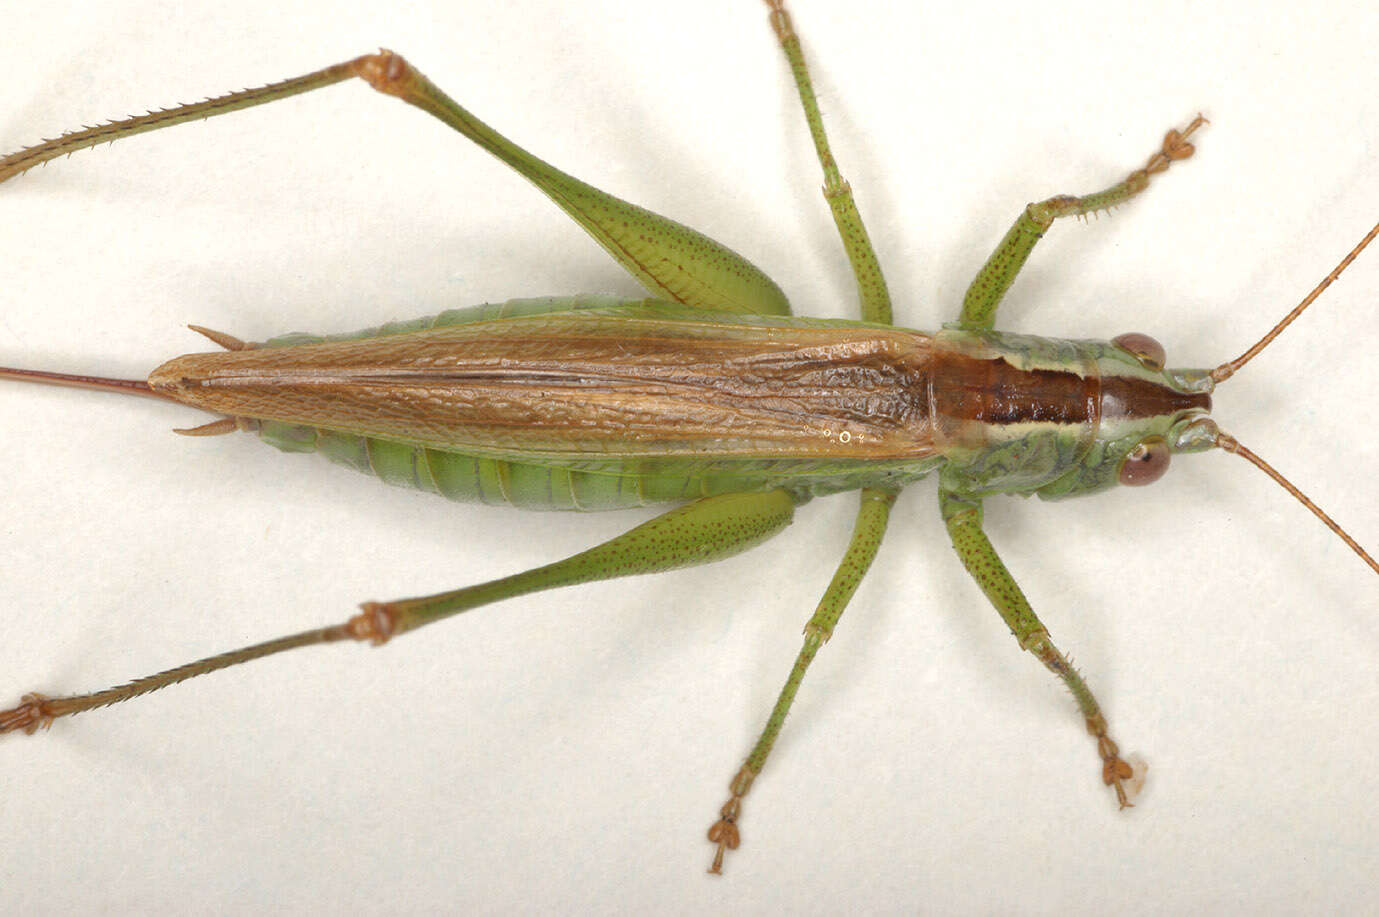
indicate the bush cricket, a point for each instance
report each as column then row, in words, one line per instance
column 1094, row 229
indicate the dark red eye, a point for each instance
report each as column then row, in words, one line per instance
column 1145, row 464
column 1143, row 347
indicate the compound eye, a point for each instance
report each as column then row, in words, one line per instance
column 1146, row 463
column 1142, row 347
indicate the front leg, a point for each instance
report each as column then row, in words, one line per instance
column 996, row 276
column 963, row 516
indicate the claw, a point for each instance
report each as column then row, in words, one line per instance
column 1175, row 147
column 724, row 832
column 1114, row 769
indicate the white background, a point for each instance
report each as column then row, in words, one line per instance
column 568, row 751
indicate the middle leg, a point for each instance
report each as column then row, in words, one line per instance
column 872, row 517
column 866, row 267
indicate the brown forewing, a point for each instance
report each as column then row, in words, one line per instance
column 585, row 384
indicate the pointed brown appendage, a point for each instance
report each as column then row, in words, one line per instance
column 1114, row 769
column 214, row 428
column 225, row 424
column 228, row 341
column 724, row 832
column 30, row 716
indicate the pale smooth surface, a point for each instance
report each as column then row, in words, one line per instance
column 567, row 752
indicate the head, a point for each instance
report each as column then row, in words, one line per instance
column 1139, row 452
column 1145, row 415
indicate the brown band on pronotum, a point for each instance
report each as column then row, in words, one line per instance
column 1226, row 370
column 1231, row 444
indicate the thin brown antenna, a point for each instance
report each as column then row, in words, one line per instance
column 98, row 383
column 1226, row 370
column 1231, row 444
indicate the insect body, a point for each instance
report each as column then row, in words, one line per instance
column 716, row 397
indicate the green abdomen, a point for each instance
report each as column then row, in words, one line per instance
column 615, row 485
